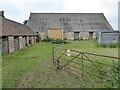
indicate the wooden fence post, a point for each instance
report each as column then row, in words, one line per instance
column 53, row 54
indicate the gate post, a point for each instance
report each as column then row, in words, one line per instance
column 53, row 54
column 82, row 64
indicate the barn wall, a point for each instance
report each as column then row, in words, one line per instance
column 21, row 42
column 11, row 44
column 55, row 33
column 76, row 35
column 24, row 41
column 94, row 35
column 43, row 35
column 84, row 35
column 0, row 45
column 32, row 39
column 70, row 35
column 27, row 40
column 4, row 45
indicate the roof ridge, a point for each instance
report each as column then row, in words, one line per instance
column 61, row 13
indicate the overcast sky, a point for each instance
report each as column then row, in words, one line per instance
column 19, row 10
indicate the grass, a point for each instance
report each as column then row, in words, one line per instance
column 32, row 67
column 0, row 72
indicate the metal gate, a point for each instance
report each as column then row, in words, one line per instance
column 94, row 70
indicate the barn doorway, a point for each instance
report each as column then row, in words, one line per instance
column 16, row 43
column 30, row 40
column 90, row 35
column 56, row 33
column 24, row 41
column 76, row 35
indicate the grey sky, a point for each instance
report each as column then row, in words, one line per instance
column 19, row 10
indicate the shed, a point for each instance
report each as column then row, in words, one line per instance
column 14, row 35
column 107, row 37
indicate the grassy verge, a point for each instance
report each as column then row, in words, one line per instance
column 32, row 67
column 0, row 71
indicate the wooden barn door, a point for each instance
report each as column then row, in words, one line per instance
column 55, row 33
column 16, row 43
column 4, row 45
column 25, row 40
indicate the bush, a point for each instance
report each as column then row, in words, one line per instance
column 56, row 41
column 113, row 76
column 48, row 39
column 59, row 41
column 114, row 45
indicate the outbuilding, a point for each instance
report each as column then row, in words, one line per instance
column 108, row 37
column 71, row 25
column 15, row 35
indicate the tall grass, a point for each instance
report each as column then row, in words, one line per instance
column 32, row 67
column 111, row 45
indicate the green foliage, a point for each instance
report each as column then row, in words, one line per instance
column 48, row 39
column 25, row 22
column 114, row 82
column 81, row 38
column 2, row 13
column 111, row 45
column 38, row 37
column 55, row 41
column 59, row 41
column 111, row 79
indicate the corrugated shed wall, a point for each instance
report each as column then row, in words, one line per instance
column 108, row 37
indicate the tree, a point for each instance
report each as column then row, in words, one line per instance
column 2, row 13
column 25, row 22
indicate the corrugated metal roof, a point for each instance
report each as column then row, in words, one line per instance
column 39, row 22
column 109, row 31
column 9, row 27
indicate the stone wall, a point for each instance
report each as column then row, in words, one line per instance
column 11, row 44
column 84, row 35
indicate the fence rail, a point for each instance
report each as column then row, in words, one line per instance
column 90, row 67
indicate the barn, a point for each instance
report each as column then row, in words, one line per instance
column 14, row 35
column 68, row 25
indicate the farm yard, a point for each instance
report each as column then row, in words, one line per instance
column 32, row 67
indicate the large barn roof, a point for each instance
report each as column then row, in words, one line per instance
column 39, row 22
column 9, row 27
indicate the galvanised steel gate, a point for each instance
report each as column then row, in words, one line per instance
column 94, row 70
